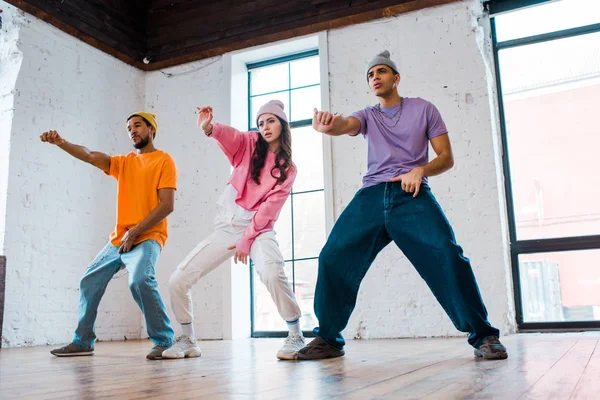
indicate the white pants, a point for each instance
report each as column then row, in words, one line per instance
column 212, row 252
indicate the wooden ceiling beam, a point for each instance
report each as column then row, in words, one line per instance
column 275, row 33
column 92, row 32
column 130, row 30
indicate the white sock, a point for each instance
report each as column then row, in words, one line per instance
column 294, row 327
column 188, row 330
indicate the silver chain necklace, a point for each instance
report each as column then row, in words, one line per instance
column 381, row 116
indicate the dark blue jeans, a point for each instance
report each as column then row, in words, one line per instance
column 376, row 216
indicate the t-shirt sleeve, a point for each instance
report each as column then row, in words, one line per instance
column 361, row 116
column 116, row 166
column 168, row 175
column 435, row 123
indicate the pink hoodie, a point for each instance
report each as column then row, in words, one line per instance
column 266, row 199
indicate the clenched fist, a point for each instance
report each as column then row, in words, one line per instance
column 52, row 137
column 323, row 121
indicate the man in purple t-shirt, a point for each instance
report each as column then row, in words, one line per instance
column 395, row 203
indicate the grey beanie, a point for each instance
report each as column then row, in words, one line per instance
column 382, row 58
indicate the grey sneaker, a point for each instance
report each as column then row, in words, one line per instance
column 183, row 347
column 155, row 353
column 293, row 343
column 72, row 350
column 491, row 349
column 318, row 349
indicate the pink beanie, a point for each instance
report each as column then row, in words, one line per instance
column 274, row 107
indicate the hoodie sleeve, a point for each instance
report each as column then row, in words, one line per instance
column 232, row 142
column 267, row 213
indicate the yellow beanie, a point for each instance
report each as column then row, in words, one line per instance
column 151, row 118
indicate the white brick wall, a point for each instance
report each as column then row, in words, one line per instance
column 10, row 63
column 60, row 211
column 439, row 59
column 202, row 170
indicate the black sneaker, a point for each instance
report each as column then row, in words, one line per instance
column 491, row 349
column 155, row 353
column 318, row 349
column 71, row 350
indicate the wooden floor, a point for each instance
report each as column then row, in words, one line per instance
column 540, row 366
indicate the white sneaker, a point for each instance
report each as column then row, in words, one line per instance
column 184, row 346
column 292, row 344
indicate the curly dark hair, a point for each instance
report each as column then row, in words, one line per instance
column 283, row 159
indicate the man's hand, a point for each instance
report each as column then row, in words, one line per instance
column 239, row 256
column 205, row 117
column 411, row 181
column 128, row 240
column 52, row 137
column 323, row 121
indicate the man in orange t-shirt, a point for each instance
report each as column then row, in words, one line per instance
column 147, row 180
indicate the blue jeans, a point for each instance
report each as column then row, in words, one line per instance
column 140, row 262
column 376, row 216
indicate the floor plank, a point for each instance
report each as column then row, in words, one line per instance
column 561, row 379
column 587, row 387
column 487, row 380
column 539, row 366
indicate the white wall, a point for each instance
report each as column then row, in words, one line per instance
column 439, row 58
column 10, row 64
column 173, row 95
column 60, row 211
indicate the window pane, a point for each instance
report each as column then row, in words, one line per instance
column 307, row 154
column 301, row 224
column 551, row 93
column 283, row 228
column 306, row 71
column 560, row 286
column 304, row 101
column 259, row 101
column 545, row 18
column 309, row 224
column 306, row 280
column 269, row 79
column 266, row 316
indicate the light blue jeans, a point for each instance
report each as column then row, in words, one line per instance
column 140, row 262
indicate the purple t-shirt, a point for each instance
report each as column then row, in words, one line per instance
column 397, row 149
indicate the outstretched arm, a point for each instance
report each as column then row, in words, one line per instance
column 334, row 125
column 96, row 158
column 230, row 140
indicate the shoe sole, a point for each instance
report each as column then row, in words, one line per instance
column 193, row 353
column 187, row 354
column 493, row 356
column 302, row 357
column 81, row 353
column 287, row 356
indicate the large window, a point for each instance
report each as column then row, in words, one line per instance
column 301, row 230
column 548, row 69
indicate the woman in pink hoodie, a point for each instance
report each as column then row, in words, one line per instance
column 260, row 184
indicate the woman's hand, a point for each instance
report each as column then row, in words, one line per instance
column 205, row 117
column 239, row 255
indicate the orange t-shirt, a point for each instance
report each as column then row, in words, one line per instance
column 139, row 178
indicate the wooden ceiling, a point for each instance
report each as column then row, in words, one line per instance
column 173, row 32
